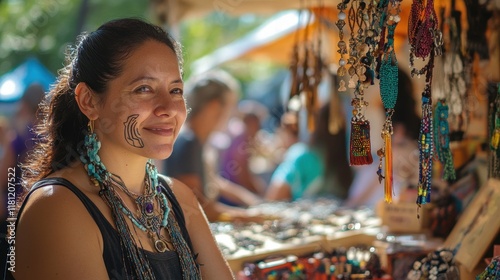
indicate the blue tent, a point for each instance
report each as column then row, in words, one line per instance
column 14, row 83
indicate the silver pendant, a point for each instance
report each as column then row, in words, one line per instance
column 161, row 246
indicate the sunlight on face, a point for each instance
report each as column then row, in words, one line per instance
column 143, row 108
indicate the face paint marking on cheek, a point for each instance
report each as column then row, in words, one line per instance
column 131, row 132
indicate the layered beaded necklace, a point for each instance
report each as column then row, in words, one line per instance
column 150, row 219
column 152, row 215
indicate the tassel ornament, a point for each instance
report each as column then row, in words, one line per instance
column 388, row 182
column 360, row 147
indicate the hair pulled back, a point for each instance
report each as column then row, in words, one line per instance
column 97, row 59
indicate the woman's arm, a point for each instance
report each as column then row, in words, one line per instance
column 278, row 191
column 213, row 263
column 56, row 238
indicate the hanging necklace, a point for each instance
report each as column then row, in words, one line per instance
column 361, row 76
column 387, row 66
column 426, row 42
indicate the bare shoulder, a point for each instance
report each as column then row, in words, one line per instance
column 54, row 231
column 193, row 212
column 54, row 203
column 182, row 192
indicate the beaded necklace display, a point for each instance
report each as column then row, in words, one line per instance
column 294, row 63
column 315, row 72
column 149, row 218
column 492, row 271
column 442, row 139
column 494, row 124
column 455, row 81
column 342, row 70
column 307, row 65
column 388, row 73
column 446, row 88
column 426, row 42
column 358, row 66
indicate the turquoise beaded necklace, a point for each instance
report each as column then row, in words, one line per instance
column 150, row 219
column 388, row 74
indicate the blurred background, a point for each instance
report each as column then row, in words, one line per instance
column 35, row 35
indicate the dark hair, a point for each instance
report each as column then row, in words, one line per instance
column 333, row 146
column 405, row 109
column 96, row 60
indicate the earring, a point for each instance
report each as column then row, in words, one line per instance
column 89, row 157
column 90, row 126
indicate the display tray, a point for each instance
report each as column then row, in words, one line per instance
column 477, row 227
column 272, row 248
column 301, row 228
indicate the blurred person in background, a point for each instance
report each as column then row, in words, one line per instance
column 210, row 98
column 235, row 160
column 19, row 138
column 5, row 136
column 318, row 168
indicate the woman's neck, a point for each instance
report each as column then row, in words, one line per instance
column 129, row 167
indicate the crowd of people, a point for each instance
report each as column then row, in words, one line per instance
column 89, row 185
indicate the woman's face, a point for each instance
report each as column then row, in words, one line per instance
column 143, row 108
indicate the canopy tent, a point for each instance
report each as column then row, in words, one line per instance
column 279, row 30
column 172, row 12
column 14, row 83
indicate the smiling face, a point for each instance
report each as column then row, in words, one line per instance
column 143, row 108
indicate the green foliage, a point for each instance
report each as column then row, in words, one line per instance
column 32, row 28
column 201, row 36
column 44, row 28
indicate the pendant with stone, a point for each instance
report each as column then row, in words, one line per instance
column 161, row 245
column 146, row 205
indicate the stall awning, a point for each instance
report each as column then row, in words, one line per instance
column 274, row 39
column 279, row 30
column 174, row 11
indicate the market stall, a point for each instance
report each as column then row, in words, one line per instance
column 452, row 52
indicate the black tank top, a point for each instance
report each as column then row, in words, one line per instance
column 165, row 265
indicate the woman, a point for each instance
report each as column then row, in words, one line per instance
column 98, row 209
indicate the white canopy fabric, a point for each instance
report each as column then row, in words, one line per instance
column 283, row 24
